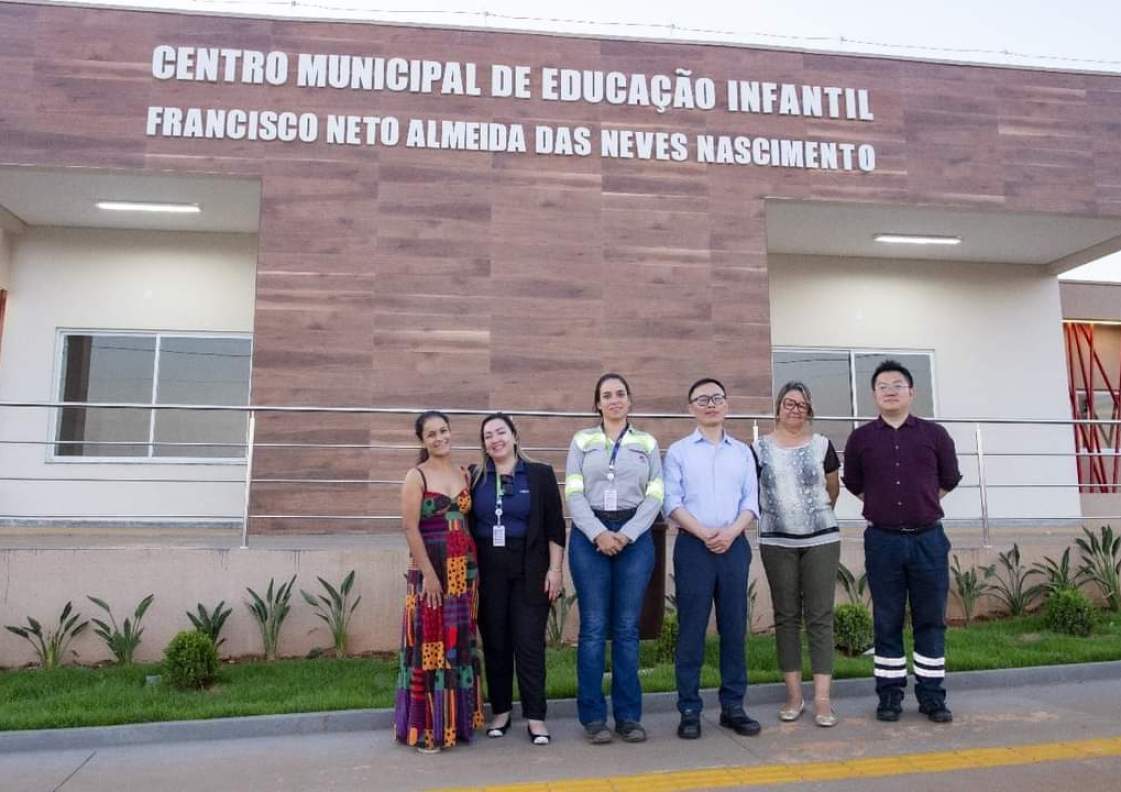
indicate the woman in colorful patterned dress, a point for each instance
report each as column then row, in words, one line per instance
column 439, row 698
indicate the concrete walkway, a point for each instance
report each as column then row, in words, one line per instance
column 1029, row 719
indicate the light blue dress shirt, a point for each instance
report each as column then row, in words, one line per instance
column 713, row 482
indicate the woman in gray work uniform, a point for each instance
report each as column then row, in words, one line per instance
column 613, row 485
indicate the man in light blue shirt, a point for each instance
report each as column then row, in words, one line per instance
column 712, row 495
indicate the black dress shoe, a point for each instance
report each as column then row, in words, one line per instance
column 938, row 713
column 689, row 728
column 740, row 722
column 890, row 708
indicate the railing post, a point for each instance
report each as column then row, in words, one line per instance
column 986, row 540
column 250, row 432
column 754, row 430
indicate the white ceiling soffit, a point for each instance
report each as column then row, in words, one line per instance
column 826, row 228
column 67, row 197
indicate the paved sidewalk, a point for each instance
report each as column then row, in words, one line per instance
column 1073, row 711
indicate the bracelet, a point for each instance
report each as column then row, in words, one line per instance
column 561, row 569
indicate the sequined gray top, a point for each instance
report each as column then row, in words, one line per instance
column 793, row 503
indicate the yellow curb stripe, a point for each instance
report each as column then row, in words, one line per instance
column 870, row 767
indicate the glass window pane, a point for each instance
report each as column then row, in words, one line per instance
column 919, row 366
column 202, row 371
column 105, row 368
column 826, row 374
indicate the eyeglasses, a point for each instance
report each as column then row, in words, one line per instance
column 709, row 401
column 893, row 387
column 794, row 406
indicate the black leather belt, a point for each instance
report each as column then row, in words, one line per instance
column 614, row 516
column 907, row 529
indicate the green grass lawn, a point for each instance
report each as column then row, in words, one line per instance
column 72, row 696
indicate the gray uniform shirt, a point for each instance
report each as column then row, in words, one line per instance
column 638, row 480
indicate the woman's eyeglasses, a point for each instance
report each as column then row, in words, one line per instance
column 794, row 406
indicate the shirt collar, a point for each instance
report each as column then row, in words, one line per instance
column 697, row 437
column 909, row 422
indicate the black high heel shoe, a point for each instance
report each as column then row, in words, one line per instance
column 538, row 739
column 494, row 732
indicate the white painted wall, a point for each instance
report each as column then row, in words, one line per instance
column 112, row 280
column 5, row 257
column 996, row 334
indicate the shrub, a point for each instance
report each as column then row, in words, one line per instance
column 1057, row 575
column 123, row 640
column 855, row 587
column 559, row 609
column 190, row 661
column 270, row 612
column 1101, row 563
column 852, row 628
column 969, row 588
column 1070, row 611
column 667, row 638
column 335, row 609
column 1011, row 587
column 211, row 622
column 51, row 647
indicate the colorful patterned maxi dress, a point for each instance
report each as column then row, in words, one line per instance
column 439, row 697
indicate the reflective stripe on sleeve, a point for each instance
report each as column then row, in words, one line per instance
column 573, row 483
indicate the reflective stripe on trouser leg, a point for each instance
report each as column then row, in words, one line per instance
column 890, row 668
column 930, row 667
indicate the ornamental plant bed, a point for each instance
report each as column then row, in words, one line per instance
column 108, row 695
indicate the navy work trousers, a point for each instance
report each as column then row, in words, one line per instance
column 901, row 566
column 701, row 578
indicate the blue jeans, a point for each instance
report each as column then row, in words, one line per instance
column 610, row 592
column 701, row 578
column 902, row 567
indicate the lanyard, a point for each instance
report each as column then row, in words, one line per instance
column 615, row 452
column 497, row 497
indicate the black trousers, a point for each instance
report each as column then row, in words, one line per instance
column 512, row 629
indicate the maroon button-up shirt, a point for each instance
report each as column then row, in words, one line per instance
column 899, row 471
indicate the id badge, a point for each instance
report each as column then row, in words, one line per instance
column 611, row 500
column 498, row 536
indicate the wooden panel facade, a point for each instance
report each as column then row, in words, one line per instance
column 413, row 277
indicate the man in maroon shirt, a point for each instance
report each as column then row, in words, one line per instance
column 901, row 467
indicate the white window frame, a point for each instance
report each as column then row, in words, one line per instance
column 150, row 459
column 852, row 352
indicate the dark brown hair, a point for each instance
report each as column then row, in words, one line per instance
column 418, row 427
column 611, row 375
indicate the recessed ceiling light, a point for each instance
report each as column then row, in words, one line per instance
column 149, row 206
column 916, row 239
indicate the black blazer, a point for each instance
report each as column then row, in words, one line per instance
column 546, row 524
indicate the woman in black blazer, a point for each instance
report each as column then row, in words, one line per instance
column 518, row 523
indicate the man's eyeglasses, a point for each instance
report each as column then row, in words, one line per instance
column 893, row 387
column 794, row 406
column 709, row 401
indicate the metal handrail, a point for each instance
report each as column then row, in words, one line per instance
column 302, row 408
column 249, row 445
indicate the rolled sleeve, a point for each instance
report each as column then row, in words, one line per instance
column 674, row 476
column 749, row 492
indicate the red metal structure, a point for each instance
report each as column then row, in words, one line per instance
column 1098, row 447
